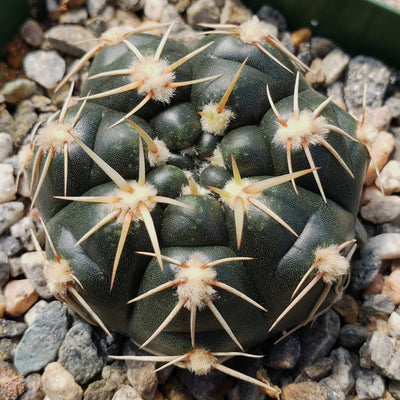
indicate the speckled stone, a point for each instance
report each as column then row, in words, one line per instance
column 318, row 370
column 304, row 391
column 99, row 390
column 378, row 306
column 33, row 388
column 381, row 209
column 352, row 336
column 10, row 328
column 18, row 89
column 364, row 271
column 11, row 382
column 10, row 213
column 20, row 296
column 369, row 384
column 386, row 246
column 7, row 184
column 6, row 146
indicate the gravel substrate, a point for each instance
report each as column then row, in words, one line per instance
column 350, row 352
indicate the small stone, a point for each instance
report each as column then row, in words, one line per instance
column 4, row 269
column 7, row 184
column 347, row 308
column 234, row 12
column 304, row 53
column 153, row 9
column 44, row 67
column 58, row 383
column 321, row 47
column 391, row 286
column 379, row 118
column 10, row 245
column 131, row 5
column 78, row 16
column 370, row 193
column 316, row 371
column 115, row 374
column 22, row 231
column 33, row 265
column 95, row 7
column 7, row 122
column 34, row 311
column 126, row 392
column 142, row 376
column 7, row 348
column 33, row 388
column 393, row 103
column 10, row 328
column 365, row 71
column 378, row 306
column 333, row 65
column 381, row 149
column 304, row 391
column 386, row 246
column 25, row 119
column 79, row 355
column 352, row 336
column 394, row 388
column 381, row 353
column 390, row 177
column 205, row 11
column 10, row 213
column 43, row 104
column 73, row 40
column 99, row 390
column 11, row 382
column 315, row 76
column 19, row 89
column 272, row 15
column 41, row 341
column 343, row 366
column 394, row 325
column 20, row 296
column 332, row 387
column 284, row 355
column 369, row 385
column 318, row 338
column 336, row 90
column 364, row 271
column 32, row 33
column 15, row 267
column 6, row 146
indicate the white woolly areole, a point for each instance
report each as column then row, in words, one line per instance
column 115, row 35
column 200, row 362
column 55, row 134
column 186, row 190
column 155, row 78
column 217, row 159
column 331, row 263
column 253, row 30
column 58, row 275
column 366, row 134
column 236, row 190
column 214, row 121
column 195, row 289
column 130, row 201
column 160, row 156
column 304, row 128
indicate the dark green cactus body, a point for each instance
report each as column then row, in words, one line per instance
column 207, row 228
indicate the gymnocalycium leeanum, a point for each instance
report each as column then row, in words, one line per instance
column 197, row 200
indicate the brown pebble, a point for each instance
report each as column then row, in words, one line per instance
column 347, row 308
column 316, row 75
column 375, row 287
column 300, row 36
column 369, row 193
column 390, row 177
column 379, row 118
column 20, row 296
column 391, row 286
column 380, row 152
column 32, row 33
column 304, row 391
column 11, row 382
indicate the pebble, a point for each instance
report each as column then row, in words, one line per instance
column 352, row 336
column 333, row 65
column 285, row 354
column 370, row 193
column 318, row 338
column 7, row 123
column 379, row 118
column 364, row 270
column 41, row 342
column 6, row 146
column 79, row 355
column 44, row 67
column 99, row 390
column 394, row 388
column 234, row 12
column 78, row 16
column 390, row 177
column 381, row 149
column 361, row 71
column 20, row 296
column 386, row 246
column 304, row 391
column 336, row 90
column 18, row 89
column 394, row 325
column 15, row 267
column 318, row 370
column 73, row 40
column 33, row 388
column 7, row 184
column 205, row 11
column 391, row 286
column 379, row 306
column 25, row 118
column 7, row 348
column 381, row 353
column 126, row 392
column 347, row 308
column 58, row 383
column 153, row 9
column 10, row 213
column 4, row 269
column 332, row 387
column 321, row 47
column 315, row 77
column 10, row 328
column 393, row 103
column 10, row 245
column 33, row 265
column 34, row 311
column 95, row 7
column 115, row 374
column 343, row 366
column 22, row 231
column 369, row 385
column 11, row 382
column 32, row 33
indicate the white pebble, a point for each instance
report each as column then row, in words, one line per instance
column 394, row 324
column 153, row 9
column 390, row 177
column 10, row 213
column 381, row 209
column 6, row 146
column 386, row 246
column 7, row 184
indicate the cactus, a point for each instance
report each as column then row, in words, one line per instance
column 198, row 201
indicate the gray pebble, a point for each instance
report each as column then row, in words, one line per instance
column 333, row 65
column 44, row 67
column 32, row 265
column 18, row 89
column 381, row 353
column 99, row 390
column 203, row 11
column 126, row 392
column 6, row 146
column 318, row 338
column 95, row 7
column 4, row 269
column 363, row 71
column 25, row 118
column 10, row 328
column 321, row 47
column 376, row 305
column 394, row 324
column 43, row 104
column 32, row 33
column 364, row 271
column 10, row 245
column 394, row 389
column 7, row 123
column 343, row 366
column 33, row 388
column 318, row 370
column 132, row 5
column 7, row 183
column 79, row 355
column 386, row 246
column 333, row 389
column 34, row 311
column 269, row 14
column 352, row 336
column 40, row 343
column 381, row 209
column 15, row 267
column 336, row 90
column 73, row 40
column 10, row 213
column 7, row 348
column 285, row 354
column 369, row 384
column 22, row 230
column 115, row 373
column 78, row 16
column 393, row 103
column 304, row 53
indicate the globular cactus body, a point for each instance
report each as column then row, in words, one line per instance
column 201, row 239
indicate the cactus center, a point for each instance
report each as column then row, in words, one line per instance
column 130, row 201
column 155, row 78
column 302, row 128
column 195, row 288
column 200, row 361
column 236, row 190
column 214, row 120
column 55, row 135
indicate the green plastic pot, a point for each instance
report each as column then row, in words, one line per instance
column 359, row 26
